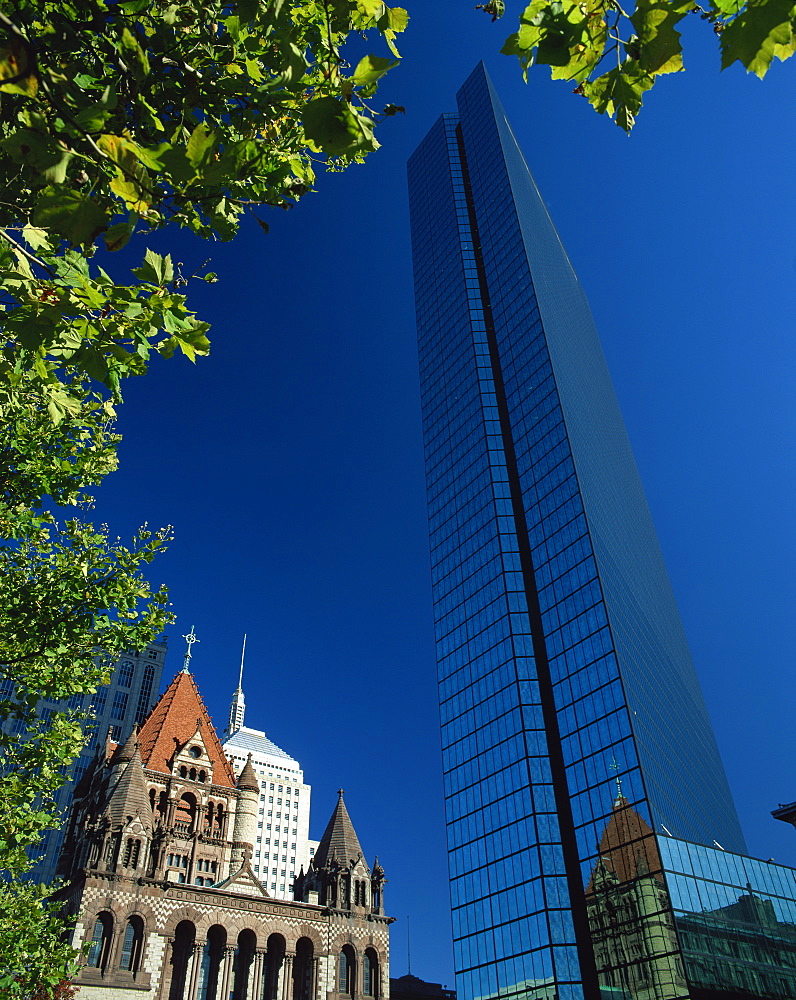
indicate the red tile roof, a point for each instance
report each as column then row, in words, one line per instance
column 173, row 721
column 628, row 846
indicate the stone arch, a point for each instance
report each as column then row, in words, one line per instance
column 137, row 949
column 140, row 908
column 371, row 973
column 275, row 948
column 345, row 938
column 210, row 969
column 100, row 931
column 181, row 950
column 185, row 814
column 347, row 970
column 308, row 931
column 304, row 969
column 190, row 913
column 244, row 959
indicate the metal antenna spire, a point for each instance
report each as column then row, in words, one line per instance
column 408, row 949
column 190, row 639
column 237, row 710
column 242, row 655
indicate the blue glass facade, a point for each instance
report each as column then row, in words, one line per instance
column 562, row 661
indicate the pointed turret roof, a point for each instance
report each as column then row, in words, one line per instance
column 128, row 797
column 172, row 723
column 125, row 752
column 339, row 839
column 247, row 778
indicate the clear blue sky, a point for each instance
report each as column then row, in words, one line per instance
column 290, row 461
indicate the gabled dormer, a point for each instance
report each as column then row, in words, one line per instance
column 191, row 760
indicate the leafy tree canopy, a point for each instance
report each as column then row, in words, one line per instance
column 125, row 117
column 614, row 54
column 117, row 120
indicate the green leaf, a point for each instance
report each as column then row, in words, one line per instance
column 660, row 49
column 372, row 68
column 35, row 238
column 334, row 128
column 92, row 118
column 137, row 58
column 156, row 270
column 15, row 63
column 48, row 157
column 619, row 92
column 761, row 32
column 75, row 216
column 200, row 145
column 118, row 236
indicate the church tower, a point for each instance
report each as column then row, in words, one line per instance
column 160, row 883
column 338, row 875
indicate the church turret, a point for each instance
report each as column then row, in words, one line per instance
column 377, row 881
column 338, row 875
column 246, row 816
column 111, row 822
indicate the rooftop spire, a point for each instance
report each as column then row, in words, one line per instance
column 242, row 656
column 237, row 709
column 186, row 662
column 339, row 839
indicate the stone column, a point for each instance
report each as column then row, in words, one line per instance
column 287, row 977
column 315, row 979
column 196, row 963
column 226, row 976
column 257, row 975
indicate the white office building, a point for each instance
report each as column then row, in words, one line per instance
column 283, row 846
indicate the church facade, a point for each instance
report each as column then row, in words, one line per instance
column 158, row 858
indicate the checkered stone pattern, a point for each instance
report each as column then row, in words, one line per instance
column 163, row 907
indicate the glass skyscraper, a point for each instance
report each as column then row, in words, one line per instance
column 575, row 736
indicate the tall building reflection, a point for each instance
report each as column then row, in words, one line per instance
column 562, row 662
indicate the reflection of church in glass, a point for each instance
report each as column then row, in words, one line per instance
column 658, row 933
column 158, row 853
column 631, row 922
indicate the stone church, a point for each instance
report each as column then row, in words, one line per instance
column 157, row 855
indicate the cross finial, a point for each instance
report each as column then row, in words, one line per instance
column 186, row 662
column 615, row 767
column 340, row 792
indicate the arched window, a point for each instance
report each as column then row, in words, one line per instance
column 192, row 774
column 347, row 971
column 302, row 969
column 182, row 947
column 212, row 954
column 132, row 943
column 100, row 941
column 186, row 811
column 274, row 958
column 244, row 957
column 132, row 851
column 370, row 974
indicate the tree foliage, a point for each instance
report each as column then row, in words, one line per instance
column 117, row 120
column 122, row 118
column 614, row 54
